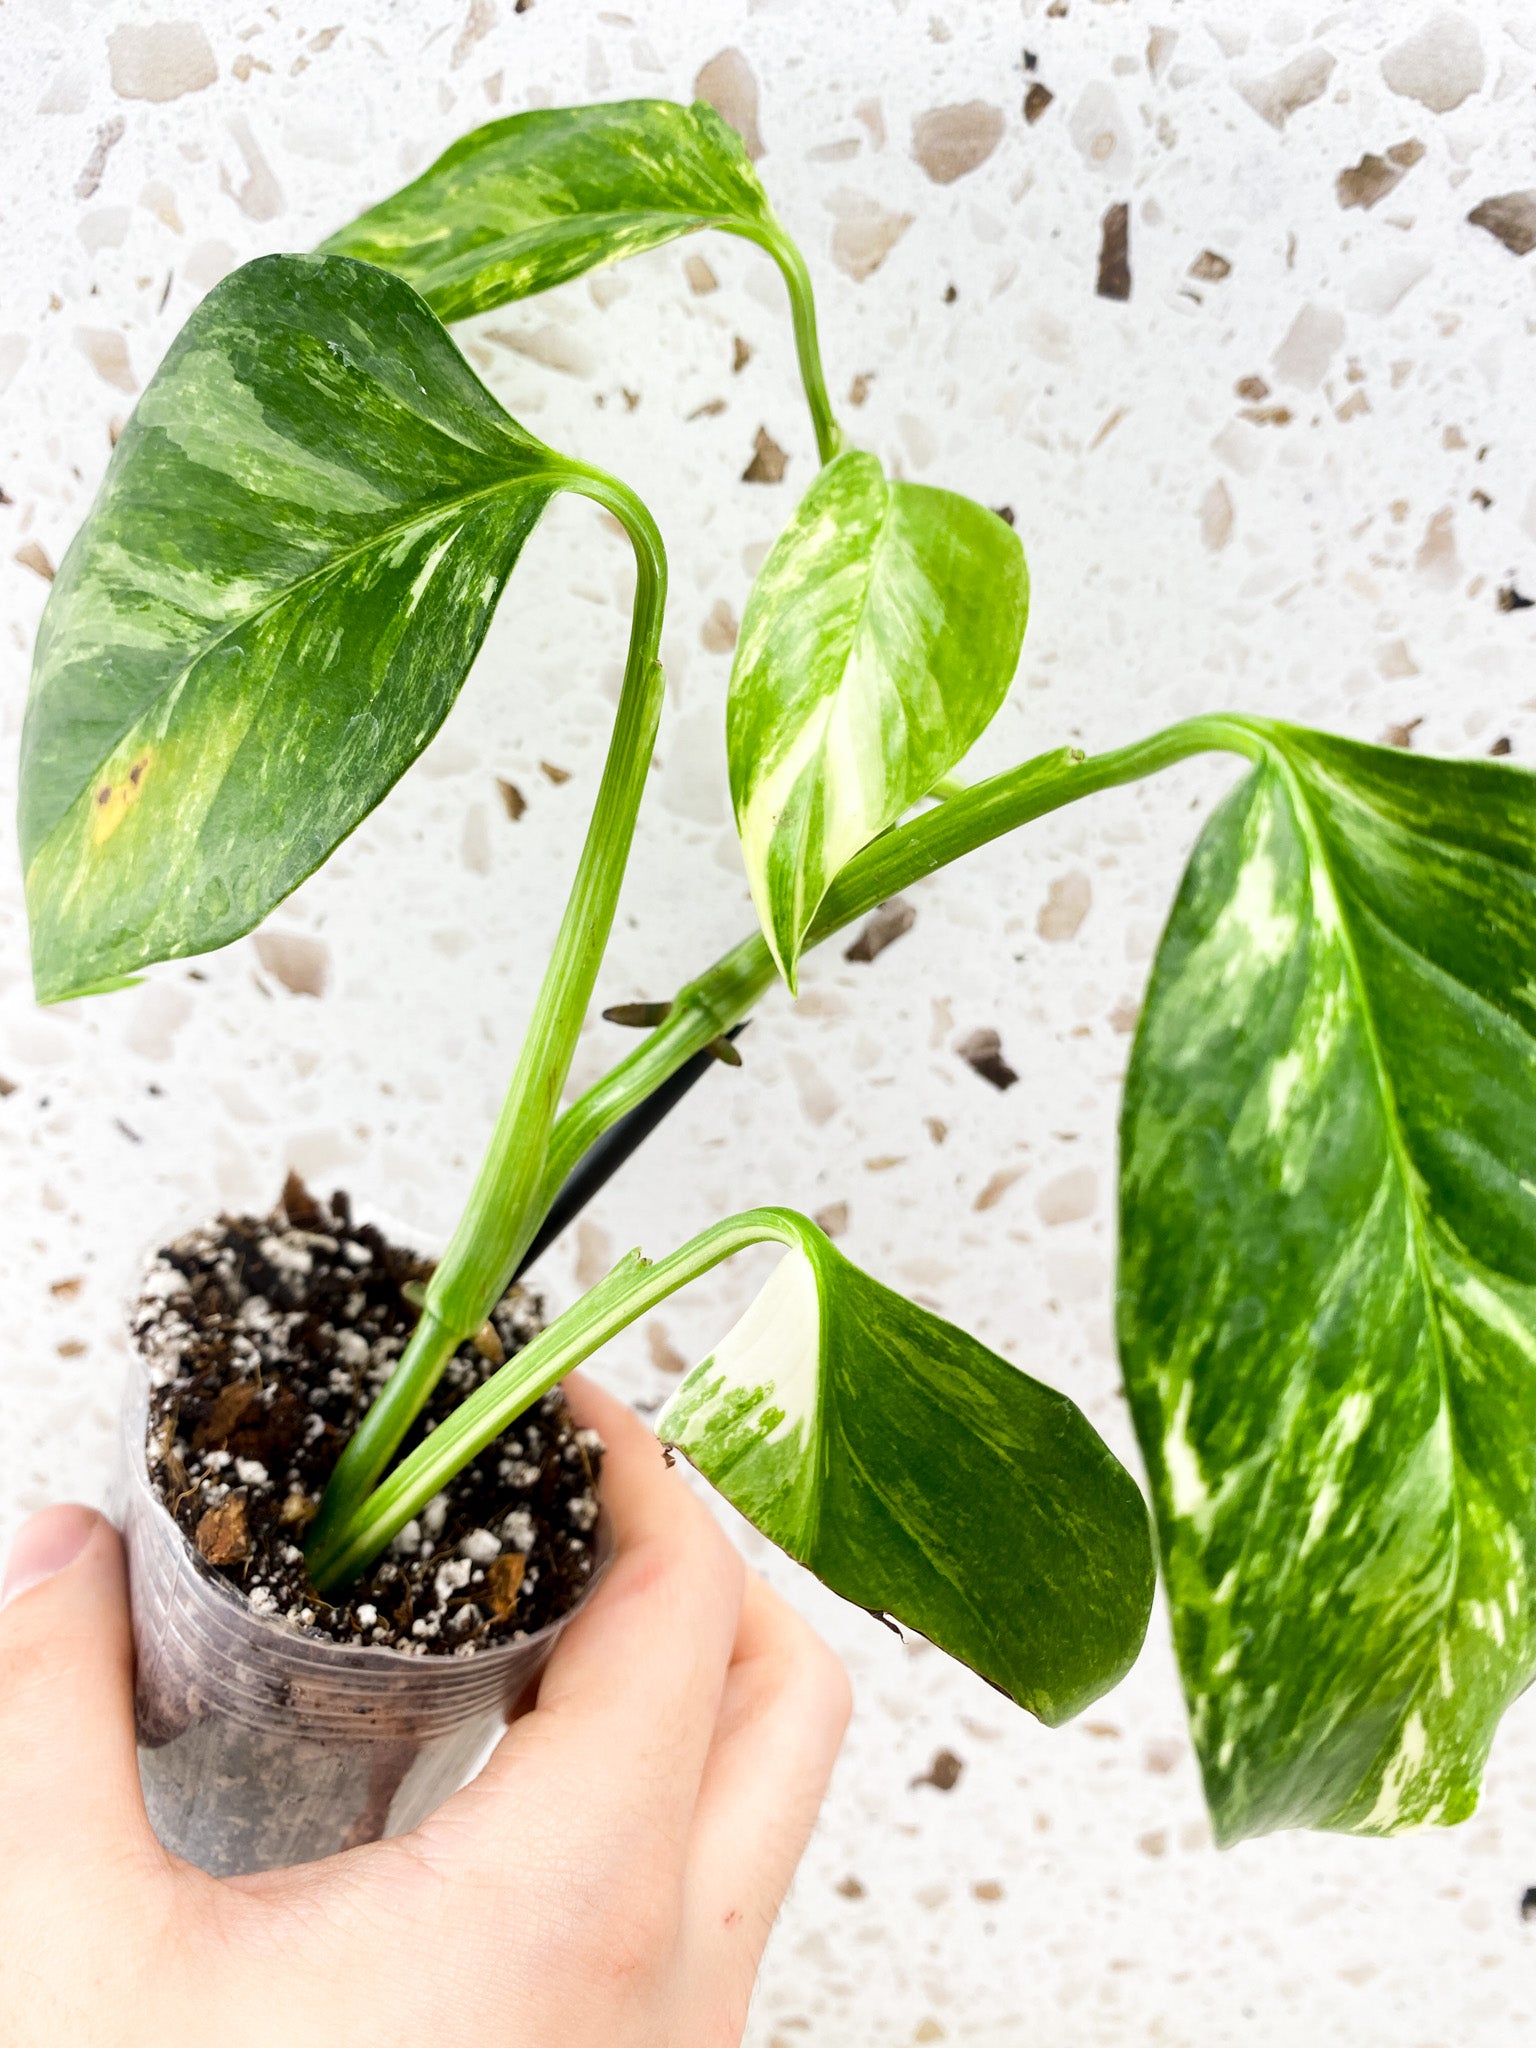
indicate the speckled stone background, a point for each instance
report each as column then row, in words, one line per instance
column 1290, row 472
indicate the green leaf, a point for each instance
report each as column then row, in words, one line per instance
column 293, row 558
column 1328, row 1280
column 922, row 1476
column 879, row 640
column 525, row 203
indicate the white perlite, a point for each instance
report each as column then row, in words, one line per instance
column 451, row 1578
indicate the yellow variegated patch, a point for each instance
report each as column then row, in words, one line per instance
column 525, row 203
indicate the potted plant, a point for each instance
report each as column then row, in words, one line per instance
column 1328, row 1147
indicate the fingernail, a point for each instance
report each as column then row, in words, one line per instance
column 44, row 1546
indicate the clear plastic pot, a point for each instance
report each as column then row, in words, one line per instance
column 259, row 1746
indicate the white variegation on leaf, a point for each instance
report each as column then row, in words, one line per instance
column 527, row 202
column 1328, row 1280
column 879, row 640
column 922, row 1476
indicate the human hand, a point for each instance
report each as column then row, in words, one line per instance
column 608, row 1881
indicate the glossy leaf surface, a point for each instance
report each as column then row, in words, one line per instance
column 291, row 562
column 879, row 640
column 920, row 1475
column 1328, row 1280
column 525, row 203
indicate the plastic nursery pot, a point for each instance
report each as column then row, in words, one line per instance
column 261, row 1747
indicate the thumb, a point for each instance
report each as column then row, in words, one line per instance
column 70, row 1776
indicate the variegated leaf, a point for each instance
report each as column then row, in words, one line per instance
column 920, row 1475
column 295, row 553
column 525, row 203
column 1328, row 1281
column 879, row 640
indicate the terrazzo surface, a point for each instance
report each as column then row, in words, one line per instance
column 1289, row 470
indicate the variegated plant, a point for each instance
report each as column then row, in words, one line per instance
column 1327, row 1291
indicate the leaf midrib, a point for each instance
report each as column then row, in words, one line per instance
column 822, row 717
column 511, row 238
column 173, row 684
column 1398, row 1147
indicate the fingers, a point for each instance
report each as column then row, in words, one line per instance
column 70, row 1775
column 627, row 1708
column 782, row 1718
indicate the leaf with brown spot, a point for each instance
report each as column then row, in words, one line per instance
column 200, row 654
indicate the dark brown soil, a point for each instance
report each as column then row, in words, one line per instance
column 266, row 1338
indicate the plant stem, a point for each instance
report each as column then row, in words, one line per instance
column 357, row 1523
column 633, row 1287
column 724, row 993
column 802, row 305
column 506, row 1205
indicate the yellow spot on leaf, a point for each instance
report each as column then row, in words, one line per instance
column 114, row 800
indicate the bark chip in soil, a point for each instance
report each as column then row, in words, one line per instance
column 265, row 1339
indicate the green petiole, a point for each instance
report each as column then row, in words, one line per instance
column 503, row 1210
column 972, row 818
column 635, row 1286
column 802, row 305
column 700, row 1011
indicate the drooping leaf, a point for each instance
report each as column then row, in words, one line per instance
column 291, row 562
column 879, row 640
column 1328, row 1281
column 920, row 1475
column 525, row 203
